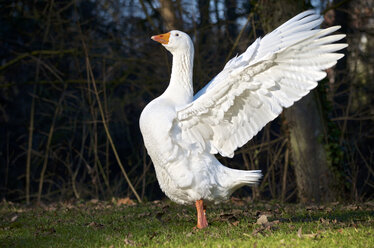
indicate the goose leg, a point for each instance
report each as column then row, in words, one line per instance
column 201, row 216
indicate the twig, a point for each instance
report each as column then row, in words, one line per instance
column 271, row 166
column 147, row 15
column 29, row 148
column 49, row 140
column 284, row 179
column 91, row 76
column 238, row 37
column 34, row 53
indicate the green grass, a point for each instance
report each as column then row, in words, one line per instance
column 165, row 224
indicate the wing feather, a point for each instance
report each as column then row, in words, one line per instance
column 253, row 88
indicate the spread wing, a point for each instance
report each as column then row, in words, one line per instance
column 253, row 88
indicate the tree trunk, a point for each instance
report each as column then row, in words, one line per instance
column 307, row 152
column 231, row 17
column 305, row 125
column 204, row 21
column 168, row 14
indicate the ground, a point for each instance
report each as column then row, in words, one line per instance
column 237, row 223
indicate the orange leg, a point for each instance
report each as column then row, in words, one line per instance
column 201, row 216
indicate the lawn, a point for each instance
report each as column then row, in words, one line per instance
column 237, row 223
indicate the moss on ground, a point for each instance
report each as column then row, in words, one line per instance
column 165, row 224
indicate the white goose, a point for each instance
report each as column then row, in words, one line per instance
column 182, row 132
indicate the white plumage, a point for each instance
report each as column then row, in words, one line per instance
column 182, row 132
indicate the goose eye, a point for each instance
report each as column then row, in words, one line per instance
column 177, row 34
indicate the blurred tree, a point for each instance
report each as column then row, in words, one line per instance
column 167, row 11
column 230, row 14
column 353, row 95
column 49, row 115
column 313, row 176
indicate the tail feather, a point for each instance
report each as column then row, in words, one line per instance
column 240, row 178
column 251, row 177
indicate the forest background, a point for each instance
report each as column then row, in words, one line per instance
column 75, row 76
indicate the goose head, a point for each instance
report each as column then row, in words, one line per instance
column 175, row 41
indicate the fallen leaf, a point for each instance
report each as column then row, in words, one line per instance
column 235, row 223
column 94, row 201
column 352, row 207
column 258, row 230
column 166, row 207
column 128, row 241
column 262, row 220
column 311, row 207
column 125, row 201
column 226, row 217
column 323, row 221
column 291, row 226
column 95, row 225
column 237, row 201
column 246, row 234
column 299, row 232
column 142, row 215
column 14, row 218
column 237, row 212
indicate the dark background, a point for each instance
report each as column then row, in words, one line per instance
column 61, row 60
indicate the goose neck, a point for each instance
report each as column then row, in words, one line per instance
column 180, row 88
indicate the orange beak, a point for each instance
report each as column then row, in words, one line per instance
column 162, row 38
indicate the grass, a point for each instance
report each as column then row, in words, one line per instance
column 165, row 224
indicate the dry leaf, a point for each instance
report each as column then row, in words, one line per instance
column 352, row 207
column 299, row 232
column 235, row 223
column 262, row 220
column 14, row 218
column 125, row 201
column 311, row 235
column 311, row 207
column 128, row 241
column 246, row 234
column 237, row 212
column 95, row 225
column 258, row 230
column 142, row 215
column 323, row 221
column 237, row 201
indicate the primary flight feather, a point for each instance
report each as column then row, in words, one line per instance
column 182, row 132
